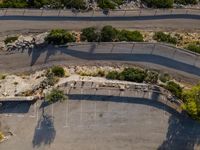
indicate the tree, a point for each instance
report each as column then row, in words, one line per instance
column 108, row 34
column 55, row 95
column 191, row 99
column 59, row 36
column 174, row 88
column 132, row 74
column 58, row 71
column 77, row 4
column 89, row 34
column 159, row 3
column 126, row 35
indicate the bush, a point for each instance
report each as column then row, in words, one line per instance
column 10, row 39
column 14, row 4
column 108, row 34
column 162, row 37
column 77, row 4
column 106, row 4
column 114, row 75
column 60, row 36
column 125, row 35
column 152, row 77
column 58, row 71
column 1, row 136
column 89, row 34
column 191, row 102
column 55, row 95
column 164, row 77
column 132, row 74
column 174, row 88
column 194, row 47
column 186, row 2
column 159, row 3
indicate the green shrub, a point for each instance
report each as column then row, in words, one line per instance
column 151, row 77
column 106, row 4
column 78, row 4
column 194, row 47
column 89, row 34
column 59, row 36
column 132, row 74
column 108, row 34
column 114, row 75
column 10, row 39
column 58, row 71
column 191, row 102
column 159, row 3
column 126, row 35
column 14, row 4
column 162, row 37
column 55, row 95
column 164, row 77
column 174, row 88
column 186, row 2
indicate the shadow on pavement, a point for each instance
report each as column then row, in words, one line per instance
column 15, row 107
column 183, row 134
column 90, row 55
column 44, row 132
column 99, row 18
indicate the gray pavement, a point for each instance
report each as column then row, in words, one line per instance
column 172, row 19
column 98, row 122
column 159, row 57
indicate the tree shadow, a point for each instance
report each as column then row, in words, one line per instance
column 65, row 53
column 182, row 134
column 44, row 132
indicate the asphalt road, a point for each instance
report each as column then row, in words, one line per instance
column 91, row 121
column 18, row 20
column 159, row 57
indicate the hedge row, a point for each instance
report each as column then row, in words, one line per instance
column 134, row 75
column 80, row 4
column 110, row 34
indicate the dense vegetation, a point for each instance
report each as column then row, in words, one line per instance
column 194, row 47
column 191, row 99
column 109, row 4
column 90, row 34
column 78, row 4
column 58, row 71
column 55, row 95
column 135, row 75
column 174, row 88
column 162, row 37
column 186, row 2
column 159, row 3
column 110, row 34
column 59, row 36
column 81, row 4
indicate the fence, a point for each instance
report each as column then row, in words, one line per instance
column 97, row 13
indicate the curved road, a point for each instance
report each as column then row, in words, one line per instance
column 149, row 55
column 178, row 19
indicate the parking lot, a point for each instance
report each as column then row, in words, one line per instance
column 92, row 121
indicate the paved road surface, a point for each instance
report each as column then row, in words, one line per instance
column 147, row 19
column 161, row 57
column 94, row 122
